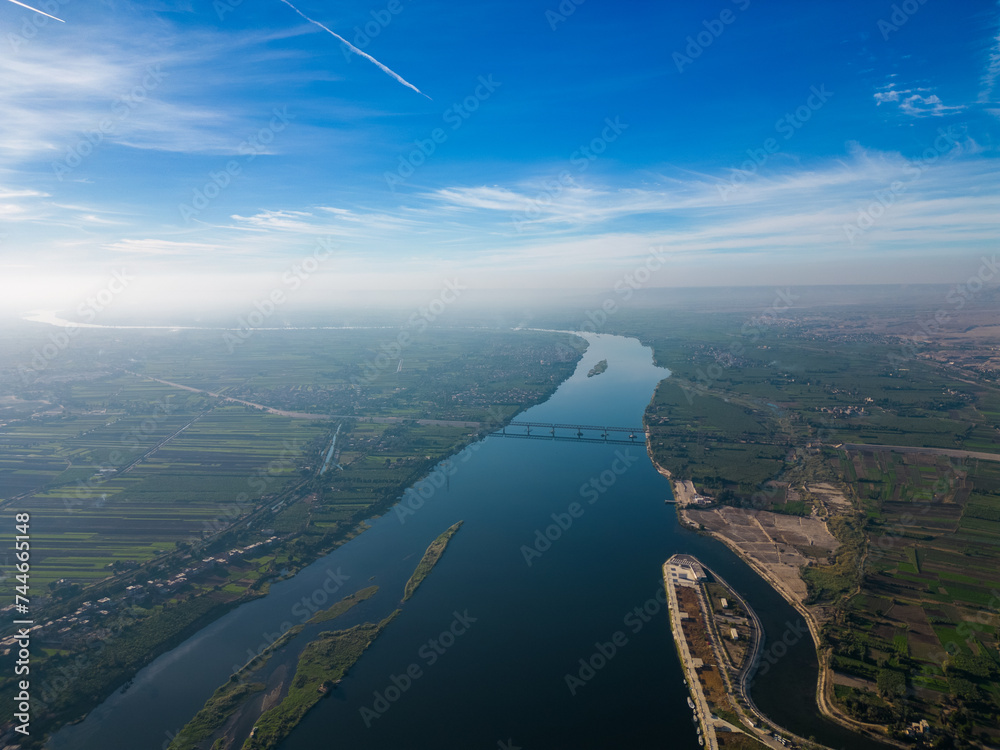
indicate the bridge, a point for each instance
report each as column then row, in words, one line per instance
column 586, row 433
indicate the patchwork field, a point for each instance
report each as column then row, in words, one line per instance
column 118, row 468
column 157, row 503
column 788, row 417
column 926, row 619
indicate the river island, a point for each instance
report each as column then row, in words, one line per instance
column 322, row 664
column 598, row 369
column 719, row 639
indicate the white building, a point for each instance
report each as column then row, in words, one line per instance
column 685, row 570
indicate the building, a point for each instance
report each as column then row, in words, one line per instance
column 685, row 570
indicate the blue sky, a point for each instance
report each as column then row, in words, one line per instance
column 751, row 142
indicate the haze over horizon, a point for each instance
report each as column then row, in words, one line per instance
column 547, row 373
column 210, row 151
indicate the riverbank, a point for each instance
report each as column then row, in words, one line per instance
column 234, row 697
column 683, row 489
column 311, row 515
column 321, row 666
column 814, row 616
column 688, row 663
column 717, row 684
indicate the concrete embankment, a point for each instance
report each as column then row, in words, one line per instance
column 688, row 663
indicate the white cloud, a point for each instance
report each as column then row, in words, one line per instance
column 332, row 221
column 916, row 104
column 158, row 247
column 785, row 215
column 15, row 193
column 58, row 99
column 989, row 78
column 141, row 86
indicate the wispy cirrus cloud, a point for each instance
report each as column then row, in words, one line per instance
column 687, row 198
column 989, row 78
column 143, row 89
column 775, row 217
column 916, row 102
column 159, row 247
column 100, row 98
column 784, row 218
column 333, row 221
column 21, row 193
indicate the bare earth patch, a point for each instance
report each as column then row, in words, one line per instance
column 854, row 682
column 830, row 497
column 773, row 541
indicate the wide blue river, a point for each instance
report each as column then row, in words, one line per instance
column 560, row 551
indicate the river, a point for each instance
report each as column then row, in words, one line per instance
column 558, row 561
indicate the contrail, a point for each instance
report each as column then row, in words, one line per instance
column 37, row 11
column 354, row 49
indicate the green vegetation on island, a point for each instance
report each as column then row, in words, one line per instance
column 170, row 477
column 322, row 664
column 223, row 704
column 599, row 368
column 232, row 696
column 343, row 605
column 430, row 559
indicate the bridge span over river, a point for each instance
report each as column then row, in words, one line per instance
column 587, row 433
